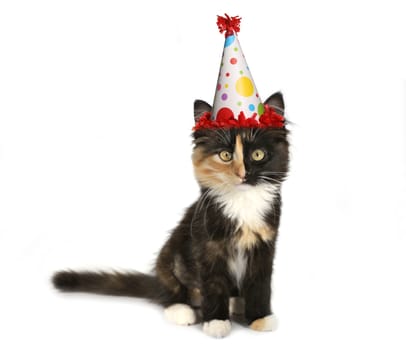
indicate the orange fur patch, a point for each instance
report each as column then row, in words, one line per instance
column 249, row 238
column 258, row 325
column 238, row 159
column 267, row 324
column 211, row 171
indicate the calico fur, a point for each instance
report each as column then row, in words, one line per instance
column 224, row 246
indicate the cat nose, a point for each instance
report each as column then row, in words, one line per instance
column 241, row 173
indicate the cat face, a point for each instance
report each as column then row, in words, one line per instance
column 239, row 158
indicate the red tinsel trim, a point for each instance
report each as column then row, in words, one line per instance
column 228, row 24
column 270, row 119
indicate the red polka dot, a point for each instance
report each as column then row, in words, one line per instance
column 227, row 74
column 233, row 60
column 224, row 114
column 218, row 86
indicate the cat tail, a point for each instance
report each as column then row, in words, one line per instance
column 130, row 284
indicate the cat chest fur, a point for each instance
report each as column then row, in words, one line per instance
column 244, row 240
column 247, row 208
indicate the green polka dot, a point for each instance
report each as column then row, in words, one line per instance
column 236, row 49
column 260, row 109
column 239, row 103
column 241, row 72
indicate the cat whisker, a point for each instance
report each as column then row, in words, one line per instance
column 227, row 135
column 269, row 179
column 199, row 206
column 201, row 200
column 205, row 212
column 254, row 132
column 270, row 174
column 224, row 136
column 273, row 172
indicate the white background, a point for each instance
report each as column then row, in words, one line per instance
column 95, row 120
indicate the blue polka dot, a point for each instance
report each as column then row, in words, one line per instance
column 229, row 40
column 251, row 107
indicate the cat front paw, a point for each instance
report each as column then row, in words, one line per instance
column 180, row 314
column 265, row 324
column 217, row 328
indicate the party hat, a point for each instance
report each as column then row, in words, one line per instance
column 235, row 91
column 236, row 101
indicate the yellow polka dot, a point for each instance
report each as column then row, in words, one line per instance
column 244, row 86
column 226, row 86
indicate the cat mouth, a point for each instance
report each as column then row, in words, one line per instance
column 243, row 186
column 247, row 181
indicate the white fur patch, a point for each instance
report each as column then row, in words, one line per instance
column 246, row 204
column 217, row 328
column 237, row 265
column 266, row 324
column 180, row 314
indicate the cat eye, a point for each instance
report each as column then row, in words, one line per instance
column 225, row 156
column 258, row 155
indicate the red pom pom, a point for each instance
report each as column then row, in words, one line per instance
column 229, row 25
column 270, row 119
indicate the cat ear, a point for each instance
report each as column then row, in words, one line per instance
column 200, row 107
column 276, row 102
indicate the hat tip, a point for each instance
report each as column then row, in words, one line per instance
column 228, row 25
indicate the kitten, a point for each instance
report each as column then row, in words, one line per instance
column 225, row 244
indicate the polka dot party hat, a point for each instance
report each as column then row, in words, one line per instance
column 236, row 101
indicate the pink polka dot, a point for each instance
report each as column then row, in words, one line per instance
column 233, row 60
column 218, row 86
